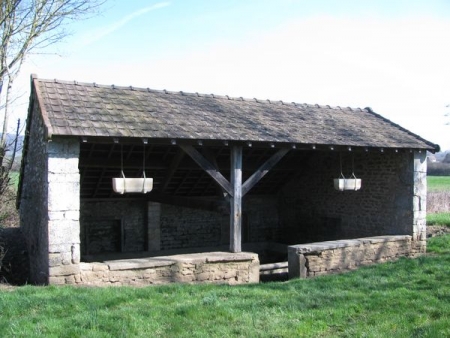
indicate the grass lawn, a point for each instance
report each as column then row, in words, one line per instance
column 407, row 298
column 442, row 218
column 438, row 183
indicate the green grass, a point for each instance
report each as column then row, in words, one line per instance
column 442, row 218
column 407, row 298
column 439, row 245
column 438, row 183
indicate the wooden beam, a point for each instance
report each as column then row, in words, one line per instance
column 236, row 200
column 158, row 164
column 114, row 163
column 172, row 168
column 189, row 202
column 263, row 170
column 208, row 167
column 99, row 182
column 211, row 158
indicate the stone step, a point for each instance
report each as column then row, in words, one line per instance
column 273, row 268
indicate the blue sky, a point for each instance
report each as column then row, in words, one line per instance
column 393, row 56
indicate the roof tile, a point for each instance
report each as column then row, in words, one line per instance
column 80, row 109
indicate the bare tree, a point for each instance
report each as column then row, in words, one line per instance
column 25, row 27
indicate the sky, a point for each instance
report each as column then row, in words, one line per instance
column 390, row 55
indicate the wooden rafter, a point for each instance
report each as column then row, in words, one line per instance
column 210, row 157
column 172, row 168
column 263, row 170
column 208, row 167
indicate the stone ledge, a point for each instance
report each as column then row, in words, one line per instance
column 195, row 258
column 209, row 267
column 139, row 263
column 329, row 245
column 321, row 258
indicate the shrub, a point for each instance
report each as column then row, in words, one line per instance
column 446, row 158
column 438, row 169
column 9, row 216
column 2, row 254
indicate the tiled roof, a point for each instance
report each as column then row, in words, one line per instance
column 81, row 109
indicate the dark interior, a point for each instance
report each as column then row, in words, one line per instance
column 174, row 173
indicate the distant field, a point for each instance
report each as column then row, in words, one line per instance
column 438, row 183
column 438, row 200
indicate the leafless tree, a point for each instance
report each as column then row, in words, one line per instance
column 25, row 27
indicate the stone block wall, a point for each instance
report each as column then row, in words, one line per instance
column 211, row 267
column 321, row 258
column 312, row 210
column 150, row 226
column 34, row 200
column 128, row 215
column 419, row 232
column 63, row 211
column 261, row 219
column 50, row 205
column 154, row 226
column 190, row 228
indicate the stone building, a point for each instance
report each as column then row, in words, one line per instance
column 235, row 182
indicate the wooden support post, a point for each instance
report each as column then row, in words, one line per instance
column 236, row 200
column 234, row 188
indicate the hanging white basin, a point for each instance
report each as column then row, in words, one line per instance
column 132, row 185
column 352, row 183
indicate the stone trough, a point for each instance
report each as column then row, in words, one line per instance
column 208, row 267
column 321, row 258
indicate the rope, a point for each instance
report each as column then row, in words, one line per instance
column 121, row 160
column 353, row 166
column 143, row 163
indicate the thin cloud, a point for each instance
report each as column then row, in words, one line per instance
column 122, row 22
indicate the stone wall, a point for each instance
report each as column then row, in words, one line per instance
column 312, row 210
column 261, row 219
column 150, row 226
column 50, row 207
column 97, row 218
column 63, row 211
column 419, row 232
column 321, row 258
column 211, row 267
column 49, row 204
column 190, row 228
column 34, row 201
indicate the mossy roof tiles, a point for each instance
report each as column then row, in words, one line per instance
column 82, row 109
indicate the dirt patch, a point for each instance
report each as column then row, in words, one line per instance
column 437, row 230
column 14, row 268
